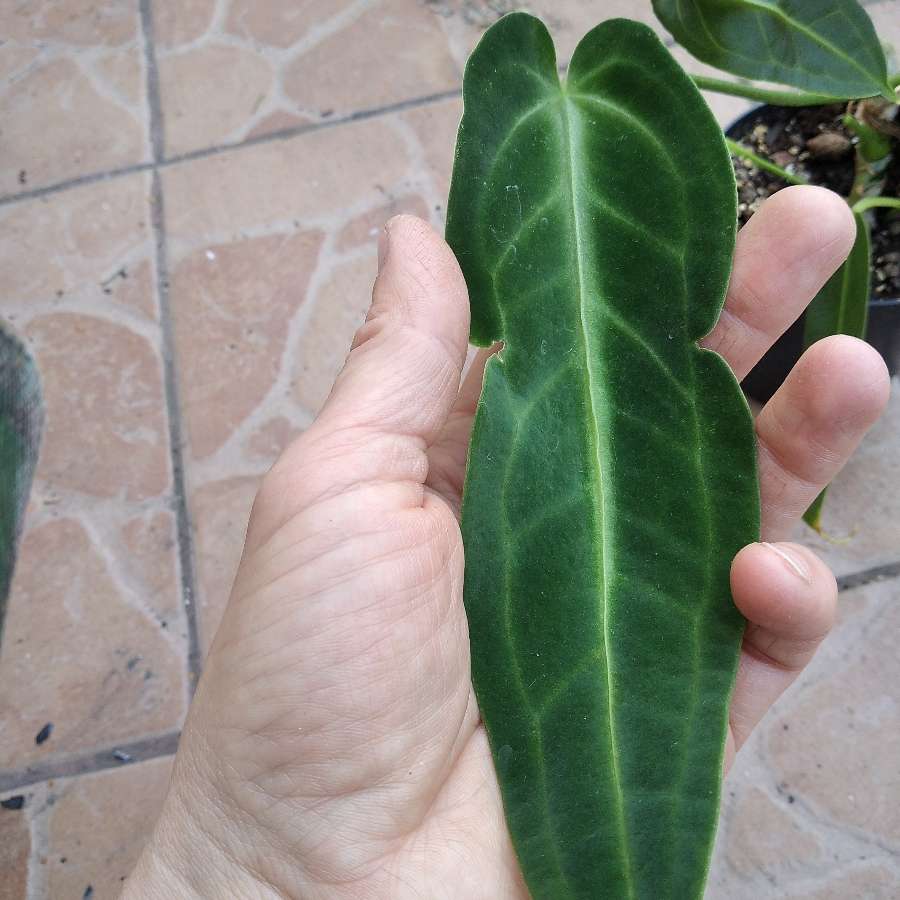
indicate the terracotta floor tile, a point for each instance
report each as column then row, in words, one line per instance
column 839, row 754
column 464, row 21
column 95, row 637
column 250, row 68
column 72, row 92
column 88, row 830
column 807, row 809
column 861, row 520
column 15, row 851
column 435, row 127
column 883, row 14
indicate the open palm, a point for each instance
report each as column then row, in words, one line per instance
column 334, row 748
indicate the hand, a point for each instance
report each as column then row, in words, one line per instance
column 334, row 747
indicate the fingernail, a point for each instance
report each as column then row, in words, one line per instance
column 384, row 241
column 793, row 560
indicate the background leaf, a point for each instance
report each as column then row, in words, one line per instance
column 21, row 420
column 841, row 307
column 829, row 46
column 612, row 470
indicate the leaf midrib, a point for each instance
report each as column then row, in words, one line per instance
column 600, row 505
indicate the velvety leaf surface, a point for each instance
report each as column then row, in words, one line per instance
column 841, row 307
column 828, row 46
column 21, row 417
column 612, row 470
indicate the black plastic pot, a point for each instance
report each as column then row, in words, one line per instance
column 882, row 332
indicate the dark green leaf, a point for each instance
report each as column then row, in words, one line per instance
column 830, row 47
column 612, row 467
column 841, row 307
column 21, row 417
column 813, row 516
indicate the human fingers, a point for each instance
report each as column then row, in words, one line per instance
column 788, row 596
column 393, row 396
column 812, row 425
column 783, row 256
column 447, row 456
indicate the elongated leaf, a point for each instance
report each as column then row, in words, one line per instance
column 611, row 473
column 828, row 46
column 841, row 307
column 21, row 418
column 842, row 304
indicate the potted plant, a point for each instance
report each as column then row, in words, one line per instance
column 611, row 473
column 837, row 127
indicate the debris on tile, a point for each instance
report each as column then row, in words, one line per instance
column 122, row 756
column 44, row 734
column 14, row 803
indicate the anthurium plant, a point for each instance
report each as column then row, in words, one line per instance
column 611, row 472
column 828, row 52
column 612, row 467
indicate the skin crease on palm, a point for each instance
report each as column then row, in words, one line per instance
column 334, row 749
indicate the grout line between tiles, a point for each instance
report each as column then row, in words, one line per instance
column 360, row 115
column 868, row 576
column 170, row 366
column 166, row 744
column 114, row 757
column 80, row 181
column 176, row 432
column 154, row 101
column 273, row 136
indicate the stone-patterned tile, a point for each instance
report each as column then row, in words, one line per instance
column 874, row 882
column 435, row 127
column 807, row 809
column 861, row 519
column 95, row 636
column 840, row 753
column 87, row 832
column 72, row 92
column 567, row 20
column 233, row 70
column 15, row 851
column 94, row 657
column 220, row 512
column 235, row 303
column 269, row 280
column 767, row 839
column 883, row 14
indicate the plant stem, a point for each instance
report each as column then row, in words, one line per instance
column 894, row 80
column 758, row 161
column 872, row 202
column 764, row 95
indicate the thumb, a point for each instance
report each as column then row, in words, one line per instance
column 395, row 392
column 402, row 374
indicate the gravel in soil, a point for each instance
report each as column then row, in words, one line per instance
column 811, row 142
